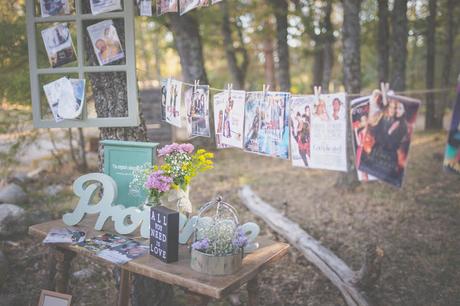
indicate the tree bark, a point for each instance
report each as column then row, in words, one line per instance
column 383, row 40
column 238, row 71
column 328, row 57
column 269, row 62
column 399, row 45
column 431, row 120
column 318, row 61
column 280, row 8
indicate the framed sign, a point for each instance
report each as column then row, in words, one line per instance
column 51, row 298
column 120, row 159
column 63, row 35
column 164, row 234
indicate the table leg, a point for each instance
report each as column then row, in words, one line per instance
column 194, row 299
column 253, row 292
column 59, row 265
column 124, row 289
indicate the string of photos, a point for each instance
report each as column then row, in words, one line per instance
column 311, row 130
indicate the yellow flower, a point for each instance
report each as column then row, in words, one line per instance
column 200, row 151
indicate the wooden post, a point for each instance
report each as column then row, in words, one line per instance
column 59, row 275
column 194, row 299
column 123, row 290
column 253, row 292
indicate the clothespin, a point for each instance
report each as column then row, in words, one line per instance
column 229, row 88
column 265, row 89
column 384, row 88
column 317, row 91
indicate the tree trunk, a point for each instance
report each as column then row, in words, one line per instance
column 351, row 76
column 269, row 62
column 399, row 45
column 281, row 13
column 318, row 61
column 238, row 71
column 431, row 120
column 383, row 40
column 328, row 57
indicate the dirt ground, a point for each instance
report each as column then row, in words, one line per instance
column 417, row 226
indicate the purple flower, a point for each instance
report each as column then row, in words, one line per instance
column 158, row 181
column 240, row 240
column 175, row 147
column 201, row 245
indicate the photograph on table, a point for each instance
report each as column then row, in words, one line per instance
column 300, row 128
column 188, row 5
column 359, row 115
column 389, row 132
column 232, row 124
column 219, row 101
column 197, row 109
column 58, row 45
column 54, row 7
column 266, row 130
column 124, row 252
column 173, row 102
column 104, row 6
column 59, row 92
column 105, row 41
column 328, row 135
column 102, row 242
column 452, row 152
column 167, row 6
column 65, row 235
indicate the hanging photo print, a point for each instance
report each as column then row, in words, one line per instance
column 58, row 44
column 266, row 128
column 59, row 92
column 54, row 7
column 104, row 6
column 219, row 108
column 232, row 124
column 167, row 6
column 300, row 127
column 73, row 111
column 452, row 153
column 173, row 102
column 197, row 108
column 105, row 42
column 389, row 131
column 359, row 111
column 145, row 7
column 164, row 92
column 188, row 5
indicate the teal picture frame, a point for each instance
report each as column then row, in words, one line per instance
column 120, row 159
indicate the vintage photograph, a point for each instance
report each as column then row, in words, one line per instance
column 167, row 6
column 389, row 132
column 104, row 6
column 452, row 151
column 105, row 42
column 71, row 109
column 359, row 113
column 58, row 45
column 232, row 123
column 197, row 109
column 54, row 7
column 59, row 92
column 300, row 128
column 124, row 252
column 328, row 134
column 267, row 124
column 219, row 100
column 65, row 235
column 173, row 102
column 102, row 242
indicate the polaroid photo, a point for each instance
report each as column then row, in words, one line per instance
column 104, row 6
column 54, row 7
column 167, row 6
column 72, row 108
column 58, row 45
column 59, row 92
column 105, row 42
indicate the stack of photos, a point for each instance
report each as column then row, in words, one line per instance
column 54, row 7
column 105, row 41
column 58, row 44
column 197, row 109
column 145, row 7
column 452, row 152
column 266, row 130
column 167, row 6
column 173, row 102
column 359, row 111
column 104, row 6
column 66, row 98
column 188, row 5
column 116, row 249
column 388, row 136
column 219, row 108
column 329, row 132
column 65, row 235
column 231, row 124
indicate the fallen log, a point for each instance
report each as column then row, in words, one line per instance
column 345, row 279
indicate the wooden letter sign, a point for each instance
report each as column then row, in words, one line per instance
column 164, row 233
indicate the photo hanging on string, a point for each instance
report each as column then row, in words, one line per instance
column 197, row 110
column 167, row 6
column 164, row 92
column 232, row 125
column 173, row 102
column 104, row 6
column 188, row 5
column 219, row 108
column 58, row 45
column 300, row 128
column 452, row 152
column 59, row 92
column 54, row 8
column 389, row 132
column 105, row 41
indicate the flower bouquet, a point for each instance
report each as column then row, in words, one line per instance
column 170, row 179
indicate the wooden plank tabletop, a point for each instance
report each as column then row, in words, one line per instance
column 178, row 273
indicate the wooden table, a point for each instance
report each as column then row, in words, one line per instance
column 200, row 287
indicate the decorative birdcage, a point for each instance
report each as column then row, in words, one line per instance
column 218, row 241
